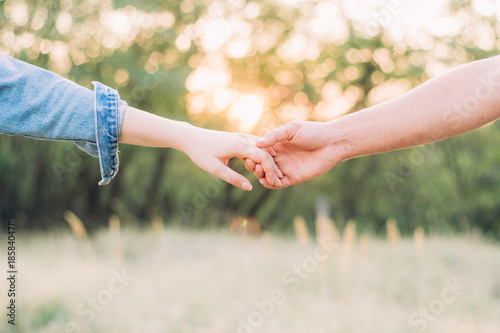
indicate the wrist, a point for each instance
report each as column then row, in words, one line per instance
column 338, row 139
column 186, row 137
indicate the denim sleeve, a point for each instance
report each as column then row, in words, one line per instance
column 109, row 110
column 40, row 104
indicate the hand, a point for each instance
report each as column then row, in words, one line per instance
column 212, row 150
column 305, row 150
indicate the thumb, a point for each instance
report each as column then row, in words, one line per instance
column 280, row 134
column 232, row 177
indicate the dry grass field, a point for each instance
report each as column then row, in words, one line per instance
column 179, row 281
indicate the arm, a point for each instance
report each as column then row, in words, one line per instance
column 210, row 150
column 456, row 102
column 40, row 104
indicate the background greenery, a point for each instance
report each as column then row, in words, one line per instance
column 150, row 50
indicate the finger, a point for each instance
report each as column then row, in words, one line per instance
column 285, row 182
column 278, row 172
column 250, row 165
column 280, row 134
column 277, row 169
column 271, row 151
column 259, row 174
column 259, row 171
column 232, row 177
column 264, row 183
column 263, row 158
column 278, row 182
column 270, row 169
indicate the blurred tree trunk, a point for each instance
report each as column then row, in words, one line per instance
column 153, row 197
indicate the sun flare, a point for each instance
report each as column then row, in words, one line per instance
column 247, row 112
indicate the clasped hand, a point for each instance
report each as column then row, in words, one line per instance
column 303, row 151
column 287, row 155
column 290, row 154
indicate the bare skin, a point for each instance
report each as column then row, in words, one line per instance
column 210, row 150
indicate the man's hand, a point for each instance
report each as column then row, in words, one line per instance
column 304, row 150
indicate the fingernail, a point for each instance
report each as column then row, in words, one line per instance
column 246, row 186
column 280, row 174
column 278, row 181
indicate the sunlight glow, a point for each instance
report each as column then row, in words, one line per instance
column 222, row 99
column 245, row 227
column 328, row 23
column 207, row 78
column 118, row 22
column 213, row 33
column 64, row 22
column 237, row 46
column 485, row 7
column 336, row 102
column 18, row 13
column 247, row 111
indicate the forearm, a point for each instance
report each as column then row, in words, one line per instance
column 456, row 102
column 149, row 130
column 40, row 104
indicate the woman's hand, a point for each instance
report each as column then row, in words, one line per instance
column 304, row 150
column 212, row 150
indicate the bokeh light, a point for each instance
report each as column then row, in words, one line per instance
column 282, row 49
column 245, row 227
column 247, row 112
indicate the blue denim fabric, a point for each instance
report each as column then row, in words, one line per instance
column 40, row 104
column 109, row 110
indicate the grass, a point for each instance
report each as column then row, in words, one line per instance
column 213, row 282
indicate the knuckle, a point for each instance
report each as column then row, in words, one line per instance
column 243, row 144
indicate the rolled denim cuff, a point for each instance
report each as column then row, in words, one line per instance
column 109, row 111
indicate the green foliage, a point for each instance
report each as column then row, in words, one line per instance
column 451, row 184
column 52, row 311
